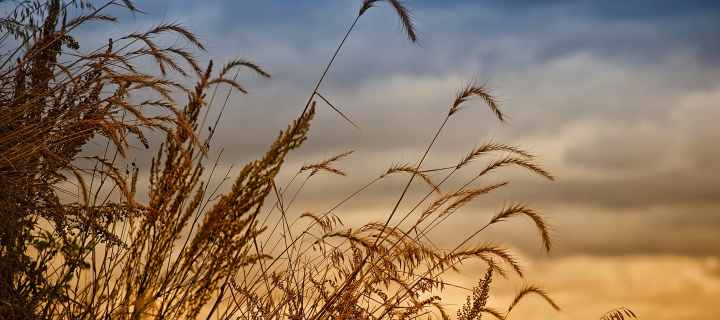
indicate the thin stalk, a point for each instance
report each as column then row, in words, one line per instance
column 307, row 104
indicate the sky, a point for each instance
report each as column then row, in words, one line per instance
column 619, row 99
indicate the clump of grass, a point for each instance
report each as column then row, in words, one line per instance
column 380, row 270
column 51, row 109
column 191, row 252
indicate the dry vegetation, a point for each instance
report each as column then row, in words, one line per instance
column 189, row 252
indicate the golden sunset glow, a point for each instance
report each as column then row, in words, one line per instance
column 360, row 159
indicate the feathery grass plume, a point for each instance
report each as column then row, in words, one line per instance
column 326, row 222
column 237, row 64
column 486, row 252
column 517, row 209
column 529, row 289
column 491, row 146
column 515, row 161
column 618, row 314
column 472, row 90
column 406, row 19
column 414, row 171
column 465, row 196
column 325, row 165
column 365, row 242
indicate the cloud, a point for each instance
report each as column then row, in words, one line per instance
column 619, row 98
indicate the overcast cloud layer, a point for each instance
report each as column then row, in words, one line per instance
column 620, row 98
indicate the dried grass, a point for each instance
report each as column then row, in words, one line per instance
column 191, row 250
